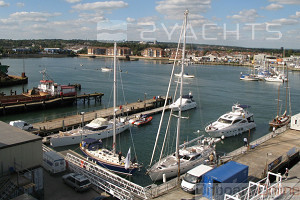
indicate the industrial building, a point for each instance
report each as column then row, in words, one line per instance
column 20, row 162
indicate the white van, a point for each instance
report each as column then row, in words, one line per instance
column 21, row 124
column 53, row 162
column 194, row 176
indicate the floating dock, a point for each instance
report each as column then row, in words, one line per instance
column 150, row 106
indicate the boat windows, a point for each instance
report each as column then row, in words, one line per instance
column 236, row 121
column 225, row 121
column 244, row 121
column 95, row 129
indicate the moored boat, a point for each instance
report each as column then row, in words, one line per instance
column 187, row 103
column 235, row 122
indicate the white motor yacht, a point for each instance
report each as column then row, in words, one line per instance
column 186, row 104
column 232, row 123
column 99, row 128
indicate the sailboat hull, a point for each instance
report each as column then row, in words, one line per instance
column 120, row 169
column 280, row 122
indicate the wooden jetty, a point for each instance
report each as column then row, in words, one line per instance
column 269, row 153
column 150, row 106
column 25, row 106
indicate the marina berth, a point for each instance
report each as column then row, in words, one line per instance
column 235, row 122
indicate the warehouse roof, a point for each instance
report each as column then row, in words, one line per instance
column 12, row 136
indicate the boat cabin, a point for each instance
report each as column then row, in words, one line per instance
column 91, row 144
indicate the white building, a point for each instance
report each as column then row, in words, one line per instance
column 295, row 122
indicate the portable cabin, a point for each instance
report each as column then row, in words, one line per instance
column 53, row 162
column 295, row 122
column 227, row 178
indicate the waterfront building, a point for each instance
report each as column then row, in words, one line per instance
column 121, row 51
column 153, row 52
column 20, row 162
column 295, row 122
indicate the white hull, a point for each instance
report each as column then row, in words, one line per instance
column 184, row 107
column 172, row 170
column 231, row 130
column 79, row 134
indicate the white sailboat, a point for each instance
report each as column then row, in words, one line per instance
column 185, row 157
column 109, row 159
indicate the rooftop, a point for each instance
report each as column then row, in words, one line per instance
column 11, row 136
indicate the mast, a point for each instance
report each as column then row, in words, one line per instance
column 115, row 98
column 286, row 91
column 180, row 99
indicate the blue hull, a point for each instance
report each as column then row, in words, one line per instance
column 115, row 168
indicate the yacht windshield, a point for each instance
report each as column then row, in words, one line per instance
column 190, row 178
column 225, row 121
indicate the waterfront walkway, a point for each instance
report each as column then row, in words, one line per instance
column 271, row 154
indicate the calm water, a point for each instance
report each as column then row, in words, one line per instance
column 215, row 89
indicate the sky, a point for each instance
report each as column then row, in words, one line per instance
column 245, row 23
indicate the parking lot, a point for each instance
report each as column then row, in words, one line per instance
column 54, row 188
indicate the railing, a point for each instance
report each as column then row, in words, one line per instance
column 260, row 190
column 106, row 180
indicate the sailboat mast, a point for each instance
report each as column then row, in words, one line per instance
column 286, row 91
column 180, row 104
column 115, row 97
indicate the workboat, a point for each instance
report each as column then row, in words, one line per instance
column 187, row 103
column 143, row 119
column 99, row 128
column 189, row 154
column 105, row 157
column 235, row 122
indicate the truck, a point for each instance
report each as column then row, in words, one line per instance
column 21, row 125
column 53, row 162
column 192, row 180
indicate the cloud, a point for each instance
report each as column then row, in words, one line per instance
column 285, row 21
column 286, row 1
column 245, row 16
column 105, row 5
column 32, row 16
column 174, row 9
column 273, row 6
column 297, row 15
column 72, row 1
column 130, row 20
column 20, row 4
column 3, row 4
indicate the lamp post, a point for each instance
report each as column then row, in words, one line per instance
column 266, row 168
column 82, row 122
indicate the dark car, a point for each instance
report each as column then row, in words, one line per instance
column 77, row 181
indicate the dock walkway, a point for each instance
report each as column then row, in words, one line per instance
column 270, row 154
column 150, row 106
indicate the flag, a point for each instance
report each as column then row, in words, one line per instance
column 127, row 159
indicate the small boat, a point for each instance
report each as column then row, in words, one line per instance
column 275, row 78
column 144, row 119
column 249, row 77
column 93, row 149
column 106, row 69
column 235, row 122
column 186, row 104
column 185, row 75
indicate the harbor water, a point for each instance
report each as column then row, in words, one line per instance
column 215, row 89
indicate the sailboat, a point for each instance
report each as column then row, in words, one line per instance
column 106, row 158
column 284, row 119
column 186, row 156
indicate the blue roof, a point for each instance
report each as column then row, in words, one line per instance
column 226, row 171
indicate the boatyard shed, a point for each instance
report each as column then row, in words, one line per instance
column 227, row 178
column 295, row 122
column 20, row 162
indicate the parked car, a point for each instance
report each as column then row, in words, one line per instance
column 77, row 181
column 21, row 124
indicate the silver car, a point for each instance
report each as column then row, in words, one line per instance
column 77, row 181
